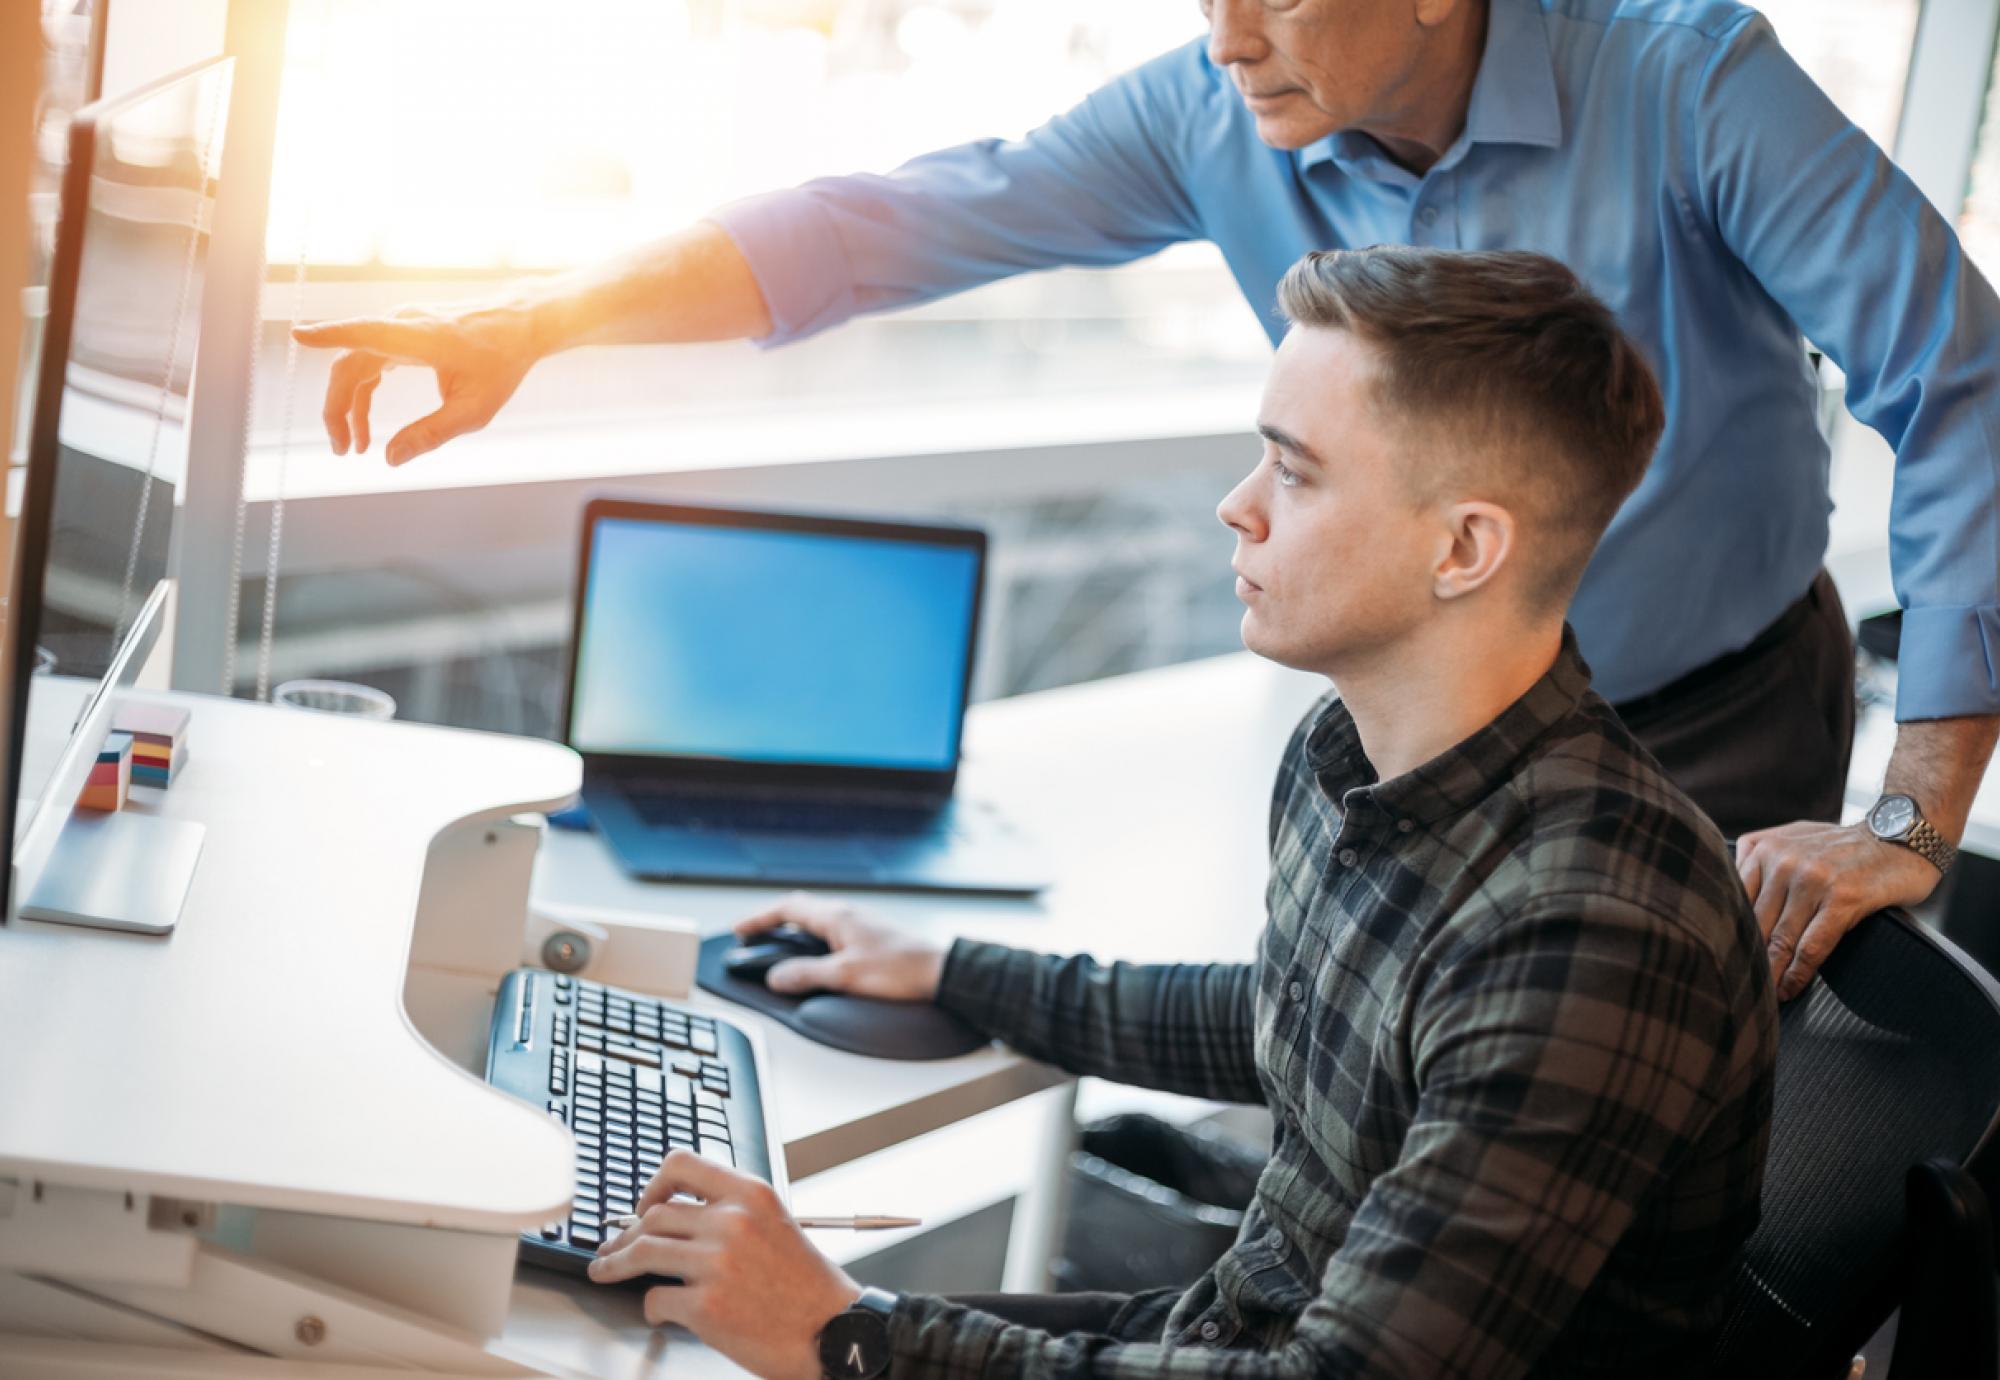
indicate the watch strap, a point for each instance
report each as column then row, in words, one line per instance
column 876, row 1300
column 1929, row 844
column 844, row 1354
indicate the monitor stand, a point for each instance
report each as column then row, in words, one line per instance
column 117, row 870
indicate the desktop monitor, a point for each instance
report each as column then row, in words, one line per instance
column 107, row 453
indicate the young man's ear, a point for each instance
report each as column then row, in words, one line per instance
column 1479, row 542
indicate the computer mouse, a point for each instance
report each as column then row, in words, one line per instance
column 860, row 1025
column 750, row 962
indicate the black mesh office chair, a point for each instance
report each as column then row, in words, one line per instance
column 1883, row 1145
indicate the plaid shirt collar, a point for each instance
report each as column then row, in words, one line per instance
column 1460, row 776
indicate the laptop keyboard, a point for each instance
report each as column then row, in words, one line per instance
column 758, row 814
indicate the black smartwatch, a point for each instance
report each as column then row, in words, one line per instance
column 855, row 1344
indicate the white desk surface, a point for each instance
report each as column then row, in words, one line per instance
column 1149, row 795
column 145, row 1060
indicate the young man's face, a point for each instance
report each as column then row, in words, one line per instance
column 1335, row 553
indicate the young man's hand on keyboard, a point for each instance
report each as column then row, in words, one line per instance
column 869, row 959
column 752, row 1286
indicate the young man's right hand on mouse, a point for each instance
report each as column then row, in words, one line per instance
column 868, row 959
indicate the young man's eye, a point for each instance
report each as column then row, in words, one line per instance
column 1287, row 476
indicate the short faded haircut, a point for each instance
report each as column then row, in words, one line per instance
column 1543, row 404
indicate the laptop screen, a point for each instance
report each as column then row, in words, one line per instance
column 773, row 646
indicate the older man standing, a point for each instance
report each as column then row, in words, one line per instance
column 1669, row 151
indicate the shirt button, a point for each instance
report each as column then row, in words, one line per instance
column 1296, row 992
column 1429, row 215
column 1210, row 1330
column 1403, row 826
column 1347, row 856
column 1275, row 1239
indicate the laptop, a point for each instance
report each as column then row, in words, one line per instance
column 767, row 697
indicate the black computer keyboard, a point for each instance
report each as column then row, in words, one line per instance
column 632, row 1077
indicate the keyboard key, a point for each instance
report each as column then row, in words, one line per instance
column 590, row 1238
column 717, row 1150
column 703, row 1042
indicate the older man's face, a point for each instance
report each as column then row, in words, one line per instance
column 1306, row 68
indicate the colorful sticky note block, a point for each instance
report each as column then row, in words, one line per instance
column 165, row 722
column 110, row 775
column 159, row 735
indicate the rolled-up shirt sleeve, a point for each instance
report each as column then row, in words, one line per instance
column 1849, row 246
column 1098, row 186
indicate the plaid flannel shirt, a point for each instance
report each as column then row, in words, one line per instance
column 1512, row 1015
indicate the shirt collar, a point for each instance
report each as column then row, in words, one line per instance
column 1460, row 776
column 1513, row 97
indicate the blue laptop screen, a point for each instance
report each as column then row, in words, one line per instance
column 765, row 646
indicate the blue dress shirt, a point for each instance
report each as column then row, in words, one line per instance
column 1667, row 150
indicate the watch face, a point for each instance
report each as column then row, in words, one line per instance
column 1893, row 816
column 854, row 1346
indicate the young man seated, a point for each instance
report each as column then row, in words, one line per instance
column 1510, row 1009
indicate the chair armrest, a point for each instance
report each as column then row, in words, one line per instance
column 1950, row 1323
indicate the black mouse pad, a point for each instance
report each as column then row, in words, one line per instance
column 859, row 1025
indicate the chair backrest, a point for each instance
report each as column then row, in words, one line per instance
column 1891, row 1058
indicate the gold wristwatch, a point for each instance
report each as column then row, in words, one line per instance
column 1896, row 819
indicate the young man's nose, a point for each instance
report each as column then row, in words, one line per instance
column 1241, row 510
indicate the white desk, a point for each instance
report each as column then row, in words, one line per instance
column 1150, row 796
column 1148, row 793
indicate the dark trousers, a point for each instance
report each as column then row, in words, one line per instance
column 1762, row 736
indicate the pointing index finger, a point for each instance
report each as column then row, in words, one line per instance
column 408, row 342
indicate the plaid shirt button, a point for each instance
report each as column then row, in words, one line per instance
column 1347, row 856
column 1210, row 1330
column 1275, row 1239
column 1296, row 991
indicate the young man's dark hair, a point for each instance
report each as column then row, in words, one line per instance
column 1509, row 1009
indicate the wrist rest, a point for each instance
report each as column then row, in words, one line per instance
column 859, row 1025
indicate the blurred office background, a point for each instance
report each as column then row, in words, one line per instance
column 1091, row 420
